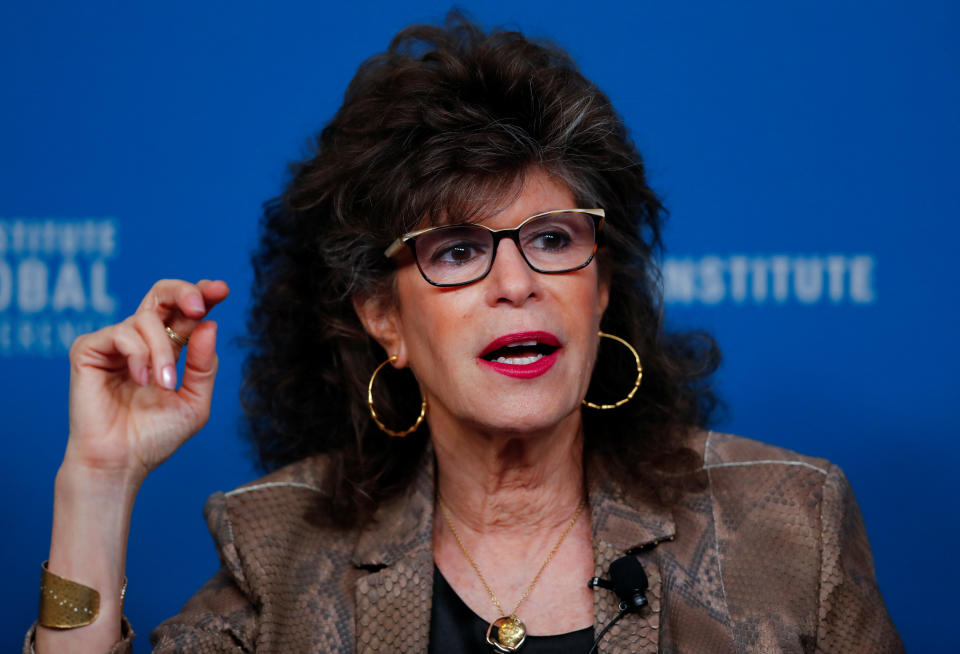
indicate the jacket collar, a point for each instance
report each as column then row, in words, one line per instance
column 627, row 519
column 402, row 526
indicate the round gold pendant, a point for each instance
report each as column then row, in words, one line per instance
column 510, row 633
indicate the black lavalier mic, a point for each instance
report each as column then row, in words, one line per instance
column 628, row 580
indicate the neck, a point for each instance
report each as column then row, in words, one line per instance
column 509, row 483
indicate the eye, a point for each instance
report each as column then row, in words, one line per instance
column 550, row 238
column 456, row 253
column 456, row 245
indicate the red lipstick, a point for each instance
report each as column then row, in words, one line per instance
column 523, row 355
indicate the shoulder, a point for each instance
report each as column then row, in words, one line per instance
column 304, row 478
column 763, row 505
column 274, row 533
column 787, row 533
column 756, row 487
column 305, row 474
column 280, row 550
column 286, row 505
column 728, row 451
column 273, row 496
column 770, row 514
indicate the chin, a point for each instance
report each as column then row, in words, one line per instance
column 521, row 419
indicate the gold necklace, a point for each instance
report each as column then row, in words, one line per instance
column 510, row 630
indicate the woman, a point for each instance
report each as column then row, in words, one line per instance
column 474, row 215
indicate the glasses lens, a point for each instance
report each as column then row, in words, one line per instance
column 454, row 255
column 558, row 242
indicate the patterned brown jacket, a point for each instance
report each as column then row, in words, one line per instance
column 766, row 553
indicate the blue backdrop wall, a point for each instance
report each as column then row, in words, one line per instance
column 808, row 152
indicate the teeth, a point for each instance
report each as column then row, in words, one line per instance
column 520, row 361
column 523, row 344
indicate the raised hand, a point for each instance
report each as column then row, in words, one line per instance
column 126, row 414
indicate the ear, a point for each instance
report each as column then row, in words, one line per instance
column 603, row 294
column 381, row 320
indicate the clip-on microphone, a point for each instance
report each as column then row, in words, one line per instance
column 628, row 581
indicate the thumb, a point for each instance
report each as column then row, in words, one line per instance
column 200, row 367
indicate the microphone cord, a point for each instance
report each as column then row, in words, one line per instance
column 624, row 609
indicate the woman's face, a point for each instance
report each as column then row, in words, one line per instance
column 512, row 352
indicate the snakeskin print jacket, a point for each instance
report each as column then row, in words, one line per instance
column 768, row 553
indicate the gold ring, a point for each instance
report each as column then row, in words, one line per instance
column 176, row 338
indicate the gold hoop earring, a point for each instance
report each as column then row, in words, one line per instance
column 636, row 384
column 373, row 414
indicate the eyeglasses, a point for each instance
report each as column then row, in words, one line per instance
column 556, row 241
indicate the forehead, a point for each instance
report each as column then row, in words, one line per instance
column 509, row 204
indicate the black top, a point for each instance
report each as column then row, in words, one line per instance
column 455, row 629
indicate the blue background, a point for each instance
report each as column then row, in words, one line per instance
column 790, row 128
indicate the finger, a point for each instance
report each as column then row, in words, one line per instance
column 214, row 292
column 181, row 305
column 200, row 368
column 163, row 351
column 130, row 344
column 171, row 295
column 93, row 348
column 109, row 348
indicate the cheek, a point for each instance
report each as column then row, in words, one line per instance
column 427, row 330
column 592, row 302
column 587, row 300
column 431, row 321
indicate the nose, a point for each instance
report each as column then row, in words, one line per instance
column 510, row 280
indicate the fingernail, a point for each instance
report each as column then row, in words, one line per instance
column 195, row 304
column 169, row 377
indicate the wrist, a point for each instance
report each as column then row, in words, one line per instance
column 92, row 506
column 77, row 474
column 91, row 524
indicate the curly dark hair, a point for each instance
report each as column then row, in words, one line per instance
column 447, row 122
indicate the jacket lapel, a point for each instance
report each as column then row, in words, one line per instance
column 627, row 521
column 393, row 607
column 394, row 602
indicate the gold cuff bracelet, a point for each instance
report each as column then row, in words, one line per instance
column 66, row 604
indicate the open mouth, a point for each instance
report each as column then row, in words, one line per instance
column 521, row 353
column 524, row 355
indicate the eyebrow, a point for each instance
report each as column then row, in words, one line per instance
column 394, row 247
